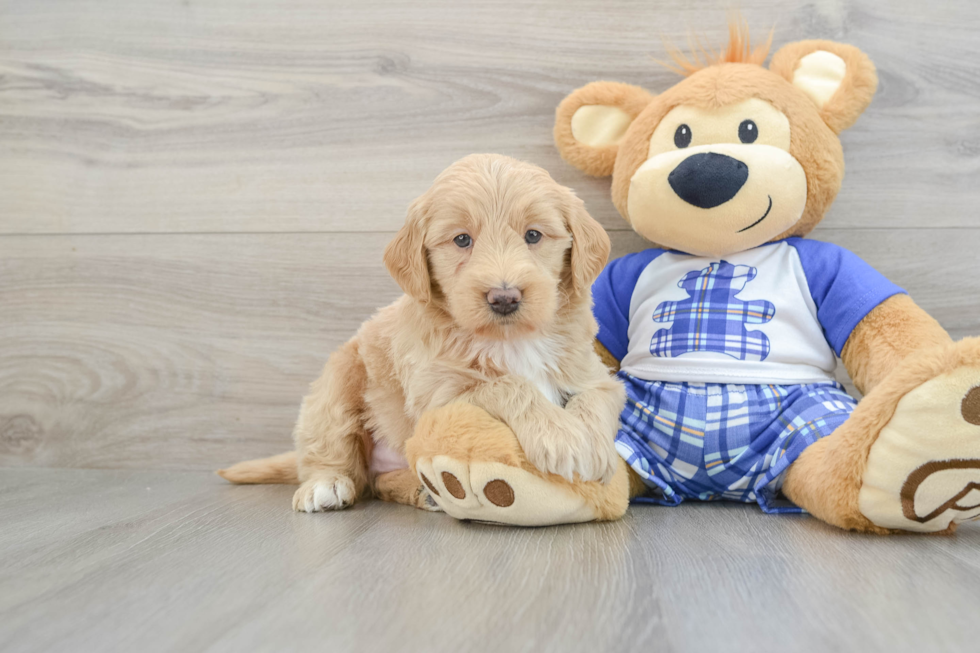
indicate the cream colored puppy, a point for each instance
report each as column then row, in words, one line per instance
column 497, row 262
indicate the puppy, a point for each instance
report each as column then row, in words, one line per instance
column 497, row 261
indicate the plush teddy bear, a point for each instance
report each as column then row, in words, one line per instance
column 727, row 332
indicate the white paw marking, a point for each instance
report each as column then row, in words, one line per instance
column 325, row 494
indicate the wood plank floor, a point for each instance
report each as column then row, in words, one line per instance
column 171, row 561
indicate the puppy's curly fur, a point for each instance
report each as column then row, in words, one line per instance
column 534, row 368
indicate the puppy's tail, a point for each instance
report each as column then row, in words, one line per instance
column 275, row 469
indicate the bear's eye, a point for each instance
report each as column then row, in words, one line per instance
column 682, row 137
column 463, row 240
column 748, row 132
column 532, row 236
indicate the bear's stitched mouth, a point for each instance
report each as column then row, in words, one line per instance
column 760, row 219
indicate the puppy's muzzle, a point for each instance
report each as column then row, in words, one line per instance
column 708, row 179
column 504, row 301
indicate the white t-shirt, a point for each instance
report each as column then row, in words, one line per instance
column 777, row 313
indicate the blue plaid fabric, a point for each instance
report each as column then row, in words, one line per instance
column 712, row 319
column 734, row 442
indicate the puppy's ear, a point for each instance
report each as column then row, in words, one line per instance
column 838, row 78
column 590, row 123
column 405, row 255
column 590, row 244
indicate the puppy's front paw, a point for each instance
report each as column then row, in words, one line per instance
column 329, row 492
column 572, row 452
column 611, row 459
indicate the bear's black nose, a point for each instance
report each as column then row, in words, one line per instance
column 708, row 179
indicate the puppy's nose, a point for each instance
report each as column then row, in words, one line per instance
column 708, row 179
column 504, row 301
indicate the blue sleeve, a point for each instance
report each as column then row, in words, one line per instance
column 844, row 287
column 612, row 293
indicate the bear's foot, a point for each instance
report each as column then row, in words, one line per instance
column 496, row 492
column 474, row 469
column 923, row 470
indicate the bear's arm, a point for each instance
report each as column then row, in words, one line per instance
column 607, row 358
column 871, row 323
column 612, row 294
column 885, row 336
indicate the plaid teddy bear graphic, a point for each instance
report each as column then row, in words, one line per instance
column 712, row 319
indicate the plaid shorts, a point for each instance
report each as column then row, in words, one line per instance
column 709, row 441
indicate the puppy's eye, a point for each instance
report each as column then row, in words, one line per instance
column 682, row 137
column 748, row 131
column 463, row 240
column 532, row 236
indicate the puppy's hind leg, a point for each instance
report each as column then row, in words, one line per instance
column 330, row 435
column 402, row 486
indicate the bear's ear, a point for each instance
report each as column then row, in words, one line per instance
column 838, row 78
column 590, row 123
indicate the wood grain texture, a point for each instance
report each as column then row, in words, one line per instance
column 158, row 561
column 193, row 351
column 308, row 115
column 173, row 351
column 194, row 198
